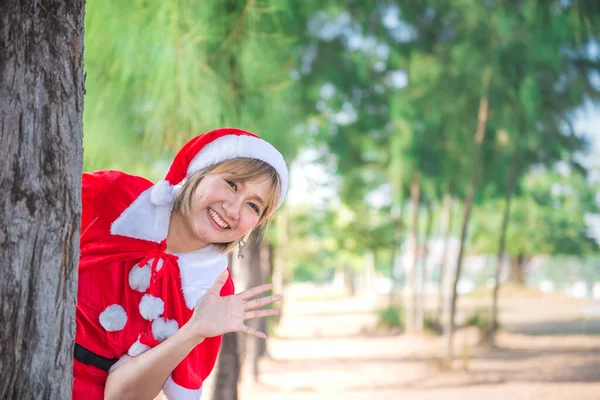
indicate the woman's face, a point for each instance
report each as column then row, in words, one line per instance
column 223, row 210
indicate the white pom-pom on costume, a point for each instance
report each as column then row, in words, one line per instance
column 137, row 348
column 151, row 307
column 161, row 329
column 113, row 318
column 139, row 278
column 162, row 193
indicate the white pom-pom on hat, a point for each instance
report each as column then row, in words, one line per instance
column 113, row 318
column 162, row 193
column 151, row 307
column 161, row 329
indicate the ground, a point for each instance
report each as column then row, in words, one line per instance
column 327, row 349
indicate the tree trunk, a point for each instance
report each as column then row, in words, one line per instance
column 227, row 370
column 422, row 296
column 512, row 180
column 222, row 383
column 397, row 217
column 479, row 136
column 41, row 107
column 267, row 266
column 254, row 270
column 396, row 255
column 517, row 270
column 411, row 276
column 447, row 218
column 279, row 267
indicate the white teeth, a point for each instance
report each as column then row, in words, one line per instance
column 218, row 219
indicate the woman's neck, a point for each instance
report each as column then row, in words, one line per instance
column 179, row 237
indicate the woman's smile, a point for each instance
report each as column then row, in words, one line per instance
column 217, row 220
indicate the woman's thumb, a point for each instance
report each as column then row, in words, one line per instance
column 220, row 282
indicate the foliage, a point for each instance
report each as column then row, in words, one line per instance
column 390, row 317
column 480, row 319
column 432, row 325
column 159, row 73
column 549, row 217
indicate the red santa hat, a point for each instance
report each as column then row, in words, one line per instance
column 214, row 147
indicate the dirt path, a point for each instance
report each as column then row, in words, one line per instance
column 323, row 353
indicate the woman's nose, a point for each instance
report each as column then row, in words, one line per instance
column 232, row 209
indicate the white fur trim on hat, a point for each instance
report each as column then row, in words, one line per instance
column 151, row 307
column 137, row 348
column 113, row 318
column 233, row 146
column 139, row 278
column 161, row 329
column 174, row 391
column 162, row 193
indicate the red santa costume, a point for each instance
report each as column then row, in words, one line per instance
column 132, row 295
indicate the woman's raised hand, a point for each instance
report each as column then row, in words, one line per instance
column 215, row 315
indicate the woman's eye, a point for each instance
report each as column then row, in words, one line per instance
column 232, row 184
column 254, row 207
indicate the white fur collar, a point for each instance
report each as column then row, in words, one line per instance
column 146, row 221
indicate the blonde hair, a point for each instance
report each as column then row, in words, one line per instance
column 239, row 169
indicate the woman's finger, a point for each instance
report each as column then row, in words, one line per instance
column 255, row 291
column 261, row 313
column 251, row 331
column 263, row 301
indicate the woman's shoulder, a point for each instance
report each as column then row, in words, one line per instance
column 117, row 182
column 108, row 178
column 108, row 192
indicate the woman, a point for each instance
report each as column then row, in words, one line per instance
column 153, row 267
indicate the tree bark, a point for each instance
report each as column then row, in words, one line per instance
column 447, row 218
column 422, row 296
column 512, row 180
column 517, row 270
column 41, row 108
column 478, row 139
column 281, row 265
column 227, row 370
column 254, row 269
column 411, row 276
column 223, row 382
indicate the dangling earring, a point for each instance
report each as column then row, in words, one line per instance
column 241, row 245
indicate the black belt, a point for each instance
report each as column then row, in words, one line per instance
column 88, row 357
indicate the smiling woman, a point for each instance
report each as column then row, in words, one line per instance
column 230, row 197
column 155, row 294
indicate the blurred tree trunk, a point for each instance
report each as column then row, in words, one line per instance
column 510, row 187
column 411, row 276
column 397, row 253
column 225, row 376
column 41, row 107
column 349, row 280
column 227, row 370
column 267, row 266
column 478, row 139
column 282, row 260
column 422, row 296
column 517, row 270
column 447, row 218
column 255, row 277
